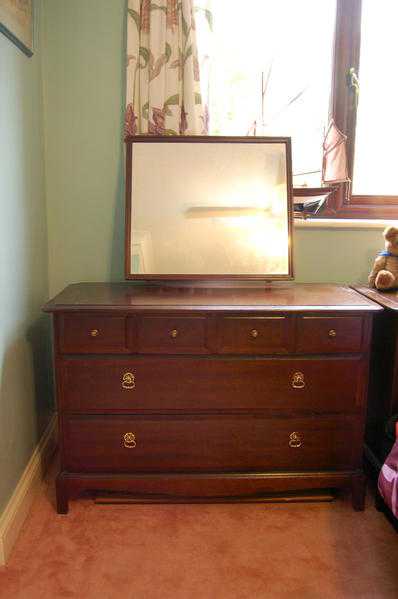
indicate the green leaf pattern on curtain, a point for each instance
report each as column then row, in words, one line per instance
column 163, row 75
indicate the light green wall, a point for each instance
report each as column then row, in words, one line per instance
column 83, row 107
column 83, row 101
column 25, row 396
column 335, row 255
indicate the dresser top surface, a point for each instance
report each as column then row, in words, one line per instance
column 272, row 297
column 387, row 299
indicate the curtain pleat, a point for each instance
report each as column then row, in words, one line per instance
column 163, row 79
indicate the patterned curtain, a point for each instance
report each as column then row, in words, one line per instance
column 163, row 83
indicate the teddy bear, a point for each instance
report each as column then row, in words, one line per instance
column 384, row 274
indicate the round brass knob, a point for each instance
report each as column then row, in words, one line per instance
column 174, row 333
column 94, row 333
column 254, row 333
column 332, row 333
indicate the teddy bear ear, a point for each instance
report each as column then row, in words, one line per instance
column 390, row 233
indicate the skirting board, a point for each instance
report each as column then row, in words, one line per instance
column 17, row 509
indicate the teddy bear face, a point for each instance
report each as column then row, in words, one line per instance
column 391, row 240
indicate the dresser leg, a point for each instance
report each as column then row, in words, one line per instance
column 61, row 494
column 379, row 502
column 358, row 491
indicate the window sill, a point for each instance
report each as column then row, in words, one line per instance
column 341, row 223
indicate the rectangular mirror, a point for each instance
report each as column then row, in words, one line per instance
column 208, row 208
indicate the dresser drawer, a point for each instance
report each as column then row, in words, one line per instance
column 183, row 444
column 172, row 334
column 93, row 334
column 337, row 334
column 259, row 335
column 203, row 384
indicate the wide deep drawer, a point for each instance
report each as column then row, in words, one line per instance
column 183, row 444
column 201, row 384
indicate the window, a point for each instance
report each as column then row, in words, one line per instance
column 375, row 162
column 273, row 76
column 286, row 67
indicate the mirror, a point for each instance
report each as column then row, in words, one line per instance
column 208, row 208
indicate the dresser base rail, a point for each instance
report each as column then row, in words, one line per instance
column 209, row 488
column 315, row 496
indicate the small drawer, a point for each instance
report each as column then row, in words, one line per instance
column 319, row 334
column 172, row 335
column 209, row 444
column 91, row 334
column 259, row 335
column 201, row 384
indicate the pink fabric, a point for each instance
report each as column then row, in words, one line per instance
column 334, row 168
column 388, row 480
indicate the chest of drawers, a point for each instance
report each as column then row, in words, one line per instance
column 206, row 394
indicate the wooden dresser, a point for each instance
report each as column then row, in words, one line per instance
column 383, row 383
column 209, row 394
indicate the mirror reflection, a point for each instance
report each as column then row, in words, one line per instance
column 218, row 208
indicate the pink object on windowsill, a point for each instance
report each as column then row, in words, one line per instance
column 334, row 166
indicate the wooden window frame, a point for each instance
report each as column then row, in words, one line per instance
column 342, row 203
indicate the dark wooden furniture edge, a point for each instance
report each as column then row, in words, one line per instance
column 387, row 299
column 205, row 488
column 182, row 298
column 373, row 463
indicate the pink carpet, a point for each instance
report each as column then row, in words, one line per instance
column 251, row 551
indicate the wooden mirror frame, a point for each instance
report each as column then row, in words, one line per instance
column 209, row 278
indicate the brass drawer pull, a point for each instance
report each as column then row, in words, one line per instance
column 174, row 333
column 298, row 381
column 332, row 333
column 295, row 440
column 129, row 440
column 254, row 333
column 94, row 333
column 128, row 380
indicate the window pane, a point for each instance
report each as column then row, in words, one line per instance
column 286, row 46
column 375, row 163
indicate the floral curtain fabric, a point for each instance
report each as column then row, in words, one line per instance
column 163, row 80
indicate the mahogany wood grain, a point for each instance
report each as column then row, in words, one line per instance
column 193, row 384
column 207, row 444
column 91, row 334
column 221, row 420
column 387, row 299
column 333, row 334
column 198, row 488
column 172, row 334
column 130, row 298
column 255, row 335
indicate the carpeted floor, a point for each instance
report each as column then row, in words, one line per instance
column 241, row 551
